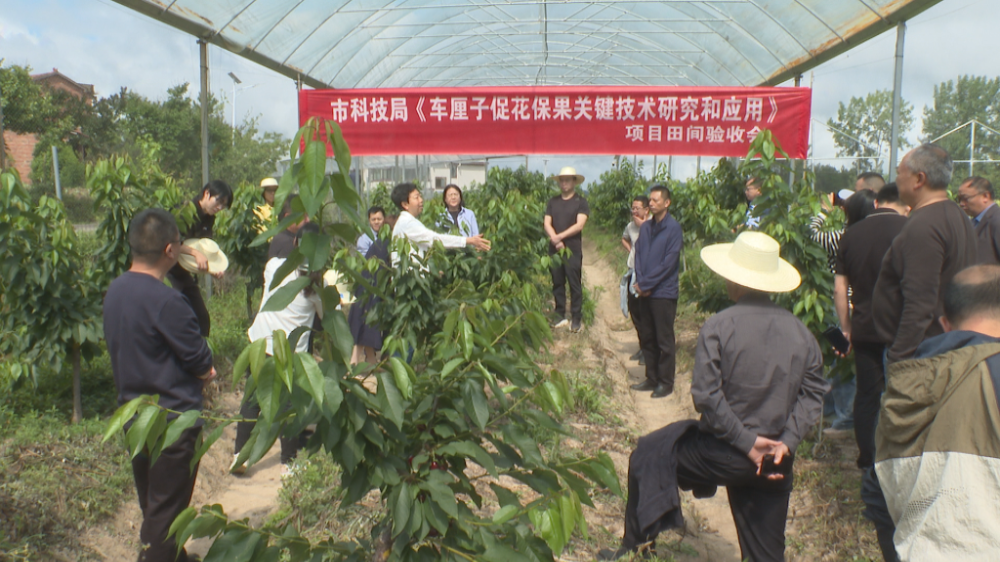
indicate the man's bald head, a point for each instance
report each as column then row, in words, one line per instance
column 973, row 297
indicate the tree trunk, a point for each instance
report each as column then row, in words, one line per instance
column 77, row 399
column 383, row 545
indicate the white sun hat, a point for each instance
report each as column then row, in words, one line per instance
column 570, row 171
column 752, row 261
column 332, row 278
column 217, row 261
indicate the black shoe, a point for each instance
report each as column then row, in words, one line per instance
column 636, row 356
column 662, row 390
column 644, row 386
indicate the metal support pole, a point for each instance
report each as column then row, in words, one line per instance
column 897, row 100
column 203, row 47
column 653, row 175
column 3, row 147
column 698, row 165
column 55, row 170
column 972, row 147
column 670, row 166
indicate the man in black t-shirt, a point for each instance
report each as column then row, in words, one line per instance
column 156, row 349
column 859, row 260
column 215, row 196
column 565, row 216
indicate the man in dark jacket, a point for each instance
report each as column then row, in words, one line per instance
column 977, row 198
column 758, row 385
column 936, row 243
column 156, row 347
column 936, row 492
column 657, row 253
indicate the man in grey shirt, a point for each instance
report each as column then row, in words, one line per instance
column 757, row 399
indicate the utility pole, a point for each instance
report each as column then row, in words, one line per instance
column 897, row 100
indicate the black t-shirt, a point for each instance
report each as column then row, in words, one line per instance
column 859, row 258
column 563, row 213
column 154, row 342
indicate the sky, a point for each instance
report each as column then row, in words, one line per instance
column 102, row 43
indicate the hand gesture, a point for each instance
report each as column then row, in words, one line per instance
column 479, row 243
column 764, row 446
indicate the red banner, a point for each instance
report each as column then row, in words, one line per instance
column 563, row 119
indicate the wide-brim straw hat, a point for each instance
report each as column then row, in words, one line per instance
column 752, row 261
column 569, row 171
column 332, row 278
column 269, row 182
column 217, row 261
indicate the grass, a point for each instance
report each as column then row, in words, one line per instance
column 57, row 478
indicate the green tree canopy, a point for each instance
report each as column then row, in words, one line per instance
column 957, row 102
column 863, row 127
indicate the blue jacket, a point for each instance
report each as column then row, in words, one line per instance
column 657, row 253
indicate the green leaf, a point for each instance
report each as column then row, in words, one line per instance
column 181, row 522
column 335, row 325
column 340, row 149
column 476, row 405
column 505, row 514
column 258, row 356
column 138, row 434
column 401, row 377
column 311, row 176
column 176, row 427
column 473, row 451
column 313, row 375
column 450, row 366
column 123, row 415
column 401, row 511
column 316, row 248
column 390, row 398
column 285, row 295
column 241, row 365
column 292, row 263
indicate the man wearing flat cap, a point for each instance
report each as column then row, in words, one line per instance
column 758, row 385
column 565, row 216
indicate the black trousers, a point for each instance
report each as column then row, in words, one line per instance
column 633, row 312
column 867, row 398
column 656, row 336
column 877, row 511
column 251, row 410
column 184, row 282
column 759, row 505
column 164, row 489
column 571, row 270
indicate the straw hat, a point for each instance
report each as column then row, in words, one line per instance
column 268, row 182
column 332, row 278
column 570, row 172
column 217, row 261
column 752, row 261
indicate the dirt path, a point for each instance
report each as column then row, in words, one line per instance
column 708, row 520
column 253, row 495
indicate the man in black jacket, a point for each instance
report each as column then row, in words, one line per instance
column 156, row 347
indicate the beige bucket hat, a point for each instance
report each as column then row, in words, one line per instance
column 268, row 182
column 217, row 261
column 752, row 261
column 571, row 172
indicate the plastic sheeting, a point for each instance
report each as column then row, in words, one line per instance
column 415, row 43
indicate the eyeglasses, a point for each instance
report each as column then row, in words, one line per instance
column 965, row 198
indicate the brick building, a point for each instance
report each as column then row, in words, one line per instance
column 21, row 148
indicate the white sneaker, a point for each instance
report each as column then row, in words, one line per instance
column 561, row 324
column 235, row 468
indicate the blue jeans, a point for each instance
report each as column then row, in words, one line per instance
column 839, row 402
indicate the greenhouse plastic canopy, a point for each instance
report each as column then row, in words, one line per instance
column 455, row 43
